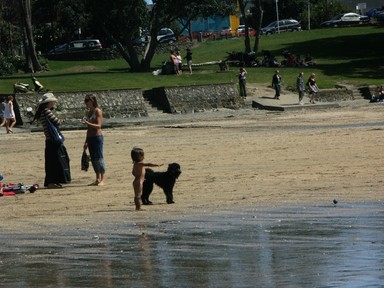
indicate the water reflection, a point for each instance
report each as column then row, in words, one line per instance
column 319, row 246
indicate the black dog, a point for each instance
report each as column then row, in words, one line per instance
column 165, row 180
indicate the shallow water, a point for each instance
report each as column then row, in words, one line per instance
column 315, row 246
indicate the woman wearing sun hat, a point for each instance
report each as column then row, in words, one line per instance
column 57, row 169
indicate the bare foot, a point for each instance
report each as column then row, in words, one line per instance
column 102, row 183
column 140, row 209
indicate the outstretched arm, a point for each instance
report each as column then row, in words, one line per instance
column 151, row 165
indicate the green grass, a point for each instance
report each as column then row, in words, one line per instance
column 343, row 55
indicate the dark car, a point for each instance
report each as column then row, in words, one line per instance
column 281, row 26
column 346, row 19
column 77, row 46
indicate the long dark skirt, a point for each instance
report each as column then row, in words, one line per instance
column 57, row 169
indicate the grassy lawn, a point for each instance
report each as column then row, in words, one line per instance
column 343, row 55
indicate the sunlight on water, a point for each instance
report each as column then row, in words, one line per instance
column 319, row 246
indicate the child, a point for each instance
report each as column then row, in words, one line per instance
column 9, row 115
column 138, row 171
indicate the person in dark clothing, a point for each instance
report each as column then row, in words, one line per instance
column 188, row 57
column 57, row 169
column 276, row 80
column 242, row 82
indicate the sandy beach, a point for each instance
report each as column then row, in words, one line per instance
column 230, row 160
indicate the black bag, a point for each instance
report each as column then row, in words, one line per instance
column 84, row 161
column 54, row 132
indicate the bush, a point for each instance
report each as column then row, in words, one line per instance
column 7, row 66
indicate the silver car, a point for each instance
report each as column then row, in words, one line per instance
column 281, row 26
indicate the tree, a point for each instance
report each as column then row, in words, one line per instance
column 247, row 41
column 30, row 51
column 122, row 21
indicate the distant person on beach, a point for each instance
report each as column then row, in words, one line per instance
column 312, row 86
column 138, row 171
column 9, row 115
column 242, row 82
column 276, row 80
column 300, row 87
column 188, row 57
column 94, row 140
column 2, row 108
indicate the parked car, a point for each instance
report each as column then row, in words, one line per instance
column 203, row 34
column 282, row 26
column 371, row 12
column 166, row 35
column 251, row 32
column 240, row 29
column 346, row 19
column 226, row 31
column 379, row 16
column 77, row 46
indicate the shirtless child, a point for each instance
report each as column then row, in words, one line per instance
column 138, row 171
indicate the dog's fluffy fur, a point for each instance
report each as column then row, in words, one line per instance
column 165, row 180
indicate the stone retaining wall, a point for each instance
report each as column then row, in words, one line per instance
column 334, row 95
column 190, row 99
column 131, row 103
column 115, row 104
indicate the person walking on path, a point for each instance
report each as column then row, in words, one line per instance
column 276, row 80
column 2, row 109
column 57, row 169
column 300, row 87
column 9, row 115
column 94, row 140
column 313, row 89
column 188, row 57
column 242, row 82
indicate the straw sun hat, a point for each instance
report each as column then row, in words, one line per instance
column 48, row 97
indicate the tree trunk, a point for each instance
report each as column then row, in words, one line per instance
column 247, row 41
column 258, row 28
column 31, row 50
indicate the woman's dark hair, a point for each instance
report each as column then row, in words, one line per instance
column 92, row 98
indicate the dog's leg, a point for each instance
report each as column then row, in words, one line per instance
column 147, row 190
column 169, row 195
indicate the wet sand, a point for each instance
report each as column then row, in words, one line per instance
column 230, row 160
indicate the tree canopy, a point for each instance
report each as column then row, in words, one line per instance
column 42, row 24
